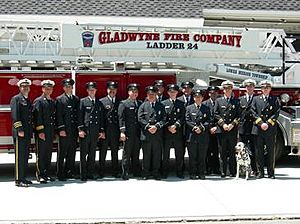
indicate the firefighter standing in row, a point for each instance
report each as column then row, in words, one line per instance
column 227, row 116
column 173, row 132
column 67, row 106
column 44, row 122
column 161, row 88
column 265, row 109
column 110, row 105
column 212, row 159
column 130, row 132
column 247, row 120
column 198, row 123
column 91, row 128
column 21, row 109
column 151, row 116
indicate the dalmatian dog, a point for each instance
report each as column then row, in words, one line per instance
column 243, row 161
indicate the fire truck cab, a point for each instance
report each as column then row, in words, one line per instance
column 142, row 53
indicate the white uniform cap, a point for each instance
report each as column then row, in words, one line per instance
column 227, row 83
column 24, row 82
column 266, row 83
column 248, row 82
column 48, row 83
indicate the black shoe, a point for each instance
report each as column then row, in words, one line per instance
column 42, row 180
column 232, row 175
column 83, row 179
column 21, row 184
column 223, row 175
column 202, row 177
column 181, row 176
column 157, row 177
column 70, row 176
column 91, row 177
column 145, row 178
column 260, row 176
column 271, row 176
column 125, row 176
column 193, row 177
column 62, row 179
column 27, row 182
column 51, row 179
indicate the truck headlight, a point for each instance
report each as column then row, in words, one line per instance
column 284, row 98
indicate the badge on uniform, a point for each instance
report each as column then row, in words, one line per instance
column 131, row 108
column 88, row 108
column 178, row 110
column 204, row 115
column 271, row 107
column 233, row 106
column 69, row 106
column 223, row 107
column 107, row 106
column 194, row 114
column 159, row 112
column 167, row 107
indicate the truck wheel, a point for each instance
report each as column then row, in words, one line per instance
column 279, row 146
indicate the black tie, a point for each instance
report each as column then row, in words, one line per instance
column 93, row 102
column 152, row 105
column 228, row 100
column 173, row 101
column 198, row 107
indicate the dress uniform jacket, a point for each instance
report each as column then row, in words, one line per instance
column 227, row 112
column 265, row 111
column 197, row 116
column 212, row 158
column 112, row 134
column 175, row 115
column 129, row 125
column 186, row 103
column 44, row 118
column 21, row 112
column 246, row 126
column 66, row 117
column 152, row 143
column 91, row 121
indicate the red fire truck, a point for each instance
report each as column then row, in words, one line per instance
column 142, row 54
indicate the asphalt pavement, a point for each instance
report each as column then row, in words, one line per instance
column 171, row 200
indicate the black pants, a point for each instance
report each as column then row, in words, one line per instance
column 151, row 156
column 88, row 146
column 212, row 158
column 177, row 144
column 131, row 155
column 226, row 144
column 265, row 139
column 197, row 157
column 249, row 140
column 66, row 155
column 22, row 146
column 111, row 142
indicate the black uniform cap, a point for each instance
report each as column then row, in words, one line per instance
column 199, row 92
column 187, row 84
column 68, row 82
column 91, row 85
column 213, row 88
column 111, row 85
column 151, row 89
column 172, row 87
column 133, row 86
column 159, row 83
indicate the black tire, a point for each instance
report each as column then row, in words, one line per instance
column 279, row 146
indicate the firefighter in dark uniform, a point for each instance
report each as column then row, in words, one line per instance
column 67, row 106
column 186, row 97
column 91, row 128
column 130, row 131
column 151, row 116
column 265, row 109
column 161, row 88
column 212, row 158
column 247, row 120
column 21, row 109
column 227, row 116
column 44, row 118
column 112, row 130
column 173, row 134
column 198, row 120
